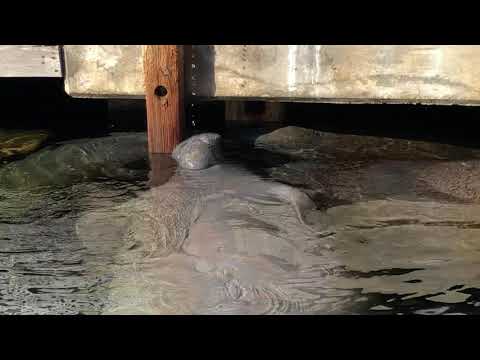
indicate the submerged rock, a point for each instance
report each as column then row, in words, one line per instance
column 199, row 151
column 20, row 142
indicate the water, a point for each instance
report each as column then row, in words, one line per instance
column 395, row 232
column 44, row 268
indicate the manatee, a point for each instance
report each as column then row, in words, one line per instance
column 311, row 144
column 25, row 184
column 204, row 150
column 250, row 276
column 199, row 151
column 161, row 244
column 158, row 222
column 343, row 169
column 64, row 164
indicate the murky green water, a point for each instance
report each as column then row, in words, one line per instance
column 396, row 231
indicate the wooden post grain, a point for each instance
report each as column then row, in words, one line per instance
column 164, row 90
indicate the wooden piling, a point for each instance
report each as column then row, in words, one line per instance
column 164, row 91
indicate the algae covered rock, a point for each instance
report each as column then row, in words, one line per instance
column 20, row 142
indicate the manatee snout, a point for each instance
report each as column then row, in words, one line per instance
column 199, row 151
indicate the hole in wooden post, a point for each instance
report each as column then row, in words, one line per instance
column 161, row 91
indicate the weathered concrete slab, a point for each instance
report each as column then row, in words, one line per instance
column 440, row 74
column 29, row 61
